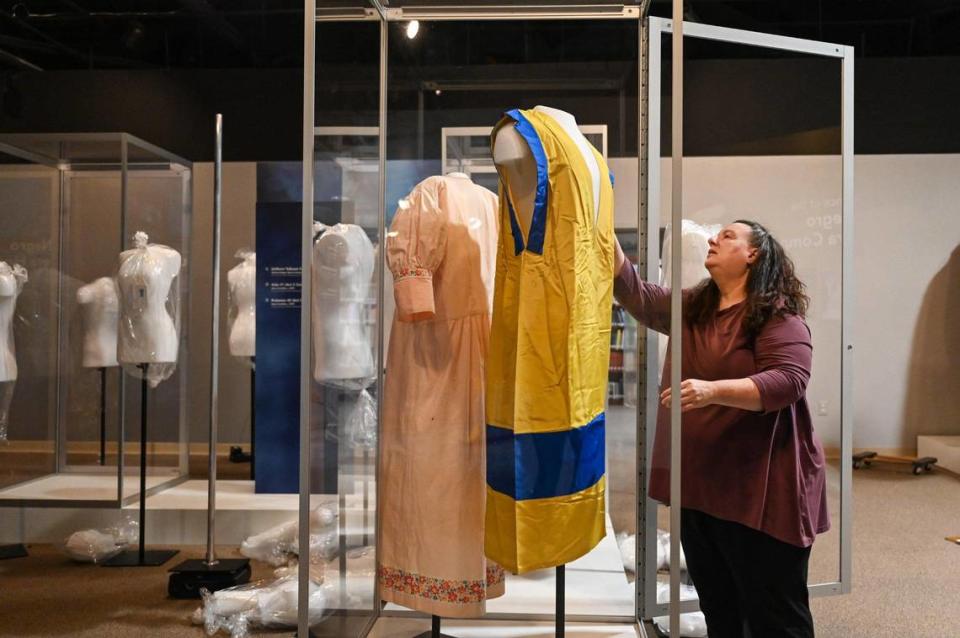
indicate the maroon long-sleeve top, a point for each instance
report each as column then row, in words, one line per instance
column 761, row 469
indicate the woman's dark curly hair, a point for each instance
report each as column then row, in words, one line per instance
column 772, row 286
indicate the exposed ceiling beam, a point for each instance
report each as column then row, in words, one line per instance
column 16, row 60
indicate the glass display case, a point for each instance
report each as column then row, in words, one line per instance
column 72, row 204
column 418, row 87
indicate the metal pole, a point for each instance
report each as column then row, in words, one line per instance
column 306, row 251
column 141, row 550
column 103, row 416
column 846, row 322
column 253, row 418
column 215, row 343
column 676, row 310
column 122, row 381
column 381, row 261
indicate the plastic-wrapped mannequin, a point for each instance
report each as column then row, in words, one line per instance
column 12, row 280
column 694, row 246
column 242, row 290
column 343, row 263
column 100, row 307
column 149, row 315
column 513, row 157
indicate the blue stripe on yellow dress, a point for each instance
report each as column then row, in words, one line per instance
column 548, row 359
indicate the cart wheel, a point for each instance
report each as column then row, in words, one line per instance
column 929, row 468
column 918, row 469
column 857, row 465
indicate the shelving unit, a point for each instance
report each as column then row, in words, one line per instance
column 615, row 385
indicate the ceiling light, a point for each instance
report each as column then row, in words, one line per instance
column 413, row 28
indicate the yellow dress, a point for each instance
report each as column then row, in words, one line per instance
column 547, row 366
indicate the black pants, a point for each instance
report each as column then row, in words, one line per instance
column 751, row 585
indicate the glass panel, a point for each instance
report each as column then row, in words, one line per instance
column 90, row 376
column 156, row 198
column 344, row 428
column 763, row 147
column 448, row 88
column 29, row 268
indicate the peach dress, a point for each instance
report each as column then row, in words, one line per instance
column 441, row 249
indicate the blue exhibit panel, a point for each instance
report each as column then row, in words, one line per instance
column 278, row 348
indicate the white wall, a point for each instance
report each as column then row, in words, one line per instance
column 907, row 271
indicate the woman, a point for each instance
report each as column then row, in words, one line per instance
column 753, row 477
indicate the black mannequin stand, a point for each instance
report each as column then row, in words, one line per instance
column 253, row 417
column 141, row 557
column 17, row 550
column 561, row 600
column 103, row 416
column 434, row 630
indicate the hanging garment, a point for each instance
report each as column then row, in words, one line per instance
column 548, row 364
column 441, row 249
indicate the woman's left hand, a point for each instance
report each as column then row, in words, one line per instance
column 694, row 393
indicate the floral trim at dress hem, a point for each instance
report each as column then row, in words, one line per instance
column 463, row 592
column 408, row 272
column 495, row 574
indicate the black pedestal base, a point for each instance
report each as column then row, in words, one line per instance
column 131, row 558
column 190, row 576
column 18, row 550
column 429, row 634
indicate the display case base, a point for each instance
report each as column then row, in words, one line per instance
column 151, row 558
column 18, row 550
column 190, row 576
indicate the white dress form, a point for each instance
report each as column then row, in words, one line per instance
column 518, row 168
column 569, row 124
column 100, row 308
column 518, row 172
column 12, row 280
column 242, row 283
column 343, row 263
column 148, row 333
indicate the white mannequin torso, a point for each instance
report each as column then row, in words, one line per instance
column 513, row 157
column 147, row 331
column 242, row 280
column 12, row 280
column 343, row 262
column 100, row 307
